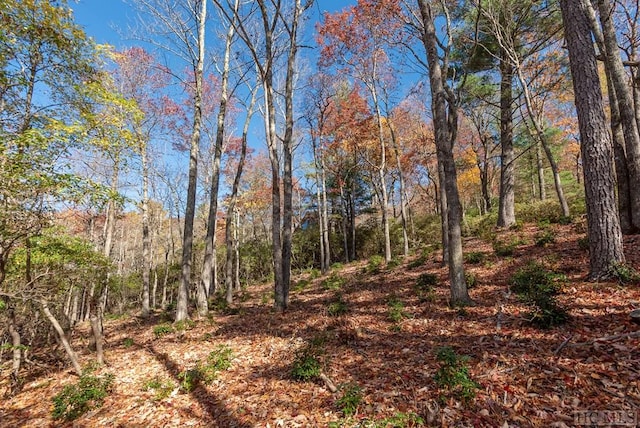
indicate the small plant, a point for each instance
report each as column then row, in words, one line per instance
column 333, row 282
column 504, row 249
column 306, row 367
column 190, row 379
column 161, row 388
column 416, row 263
column 538, row 287
column 399, row 420
column 127, row 342
column 427, row 281
column 219, row 359
column 394, row 263
column 583, row 243
column 545, row 237
column 471, row 279
column 474, row 257
column 184, row 325
column 314, row 273
column 337, row 266
column 337, row 308
column 624, row 273
column 453, row 374
column 375, row 264
column 162, row 330
column 350, row 399
column 396, row 310
column 75, row 400
column 301, row 285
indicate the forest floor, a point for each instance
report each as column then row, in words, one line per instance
column 526, row 376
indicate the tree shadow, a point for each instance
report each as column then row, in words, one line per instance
column 219, row 414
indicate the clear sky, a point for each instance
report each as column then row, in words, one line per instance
column 105, row 19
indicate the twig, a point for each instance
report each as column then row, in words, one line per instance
column 329, row 383
column 562, row 345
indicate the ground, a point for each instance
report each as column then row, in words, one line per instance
column 526, row 376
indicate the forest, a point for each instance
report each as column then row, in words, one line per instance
column 391, row 213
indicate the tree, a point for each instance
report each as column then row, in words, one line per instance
column 605, row 237
column 444, row 108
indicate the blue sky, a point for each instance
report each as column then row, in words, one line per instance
column 102, row 18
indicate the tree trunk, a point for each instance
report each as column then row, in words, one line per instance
column 146, row 238
column 506, row 204
column 444, row 214
column 445, row 134
column 16, row 348
column 625, row 103
column 403, row 205
column 182, row 306
column 605, row 237
column 542, row 193
column 63, row 337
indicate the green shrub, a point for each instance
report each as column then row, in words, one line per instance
column 75, row 400
column 337, row 308
column 306, row 366
column 333, row 282
column 471, row 279
column 624, row 273
column 504, row 249
column 453, row 374
column 399, row 420
column 190, row 379
column 337, row 266
column 427, row 281
column 375, row 264
column 162, row 330
column 538, row 287
column 474, row 257
column 219, row 359
column 184, row 325
column 396, row 311
column 301, row 284
column 544, row 237
column 314, row 273
column 161, row 388
column 394, row 263
column 350, row 399
column 127, row 342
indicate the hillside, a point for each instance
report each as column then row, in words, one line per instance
column 385, row 344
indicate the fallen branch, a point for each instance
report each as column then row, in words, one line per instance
column 330, row 385
column 562, row 345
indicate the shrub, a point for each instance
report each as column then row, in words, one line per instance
column 350, row 399
column 219, row 359
column 624, row 273
column 396, row 310
column 301, row 285
column 418, row 262
column 545, row 237
column 504, row 249
column 394, row 263
column 184, row 325
column 337, row 308
column 337, row 266
column 162, row 330
column 399, row 420
column 474, row 257
column 333, row 282
column 127, row 342
column 471, row 279
column 538, row 287
column 583, row 243
column 161, row 388
column 453, row 374
column 190, row 379
column 427, row 281
column 375, row 264
column 306, row 366
column 75, row 400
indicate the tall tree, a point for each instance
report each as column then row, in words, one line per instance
column 444, row 108
column 605, row 237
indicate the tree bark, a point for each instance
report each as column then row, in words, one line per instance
column 182, row 306
column 506, row 204
column 63, row 337
column 605, row 237
column 613, row 62
column 445, row 135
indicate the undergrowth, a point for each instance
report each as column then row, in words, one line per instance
column 77, row 399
